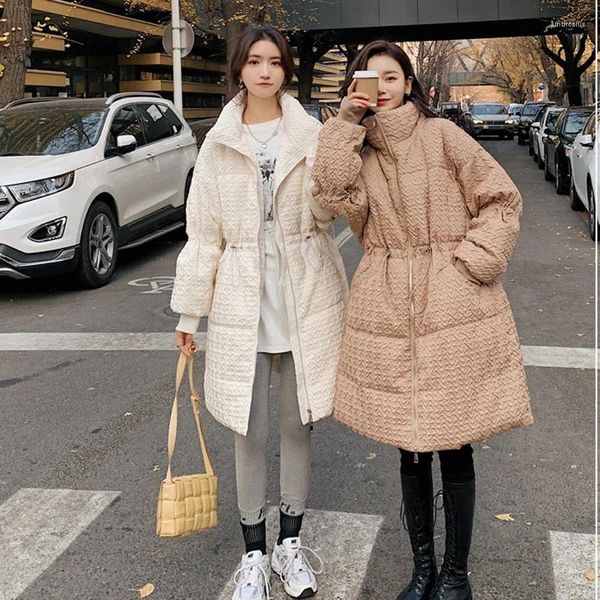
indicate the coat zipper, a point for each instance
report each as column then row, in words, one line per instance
column 309, row 410
column 411, row 308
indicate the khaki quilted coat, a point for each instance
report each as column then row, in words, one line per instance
column 430, row 354
column 219, row 270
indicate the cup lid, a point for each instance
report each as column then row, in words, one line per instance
column 364, row 74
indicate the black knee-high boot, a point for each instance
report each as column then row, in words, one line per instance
column 459, row 508
column 417, row 491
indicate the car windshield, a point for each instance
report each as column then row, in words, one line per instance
column 552, row 117
column 576, row 122
column 489, row 109
column 41, row 130
column 531, row 109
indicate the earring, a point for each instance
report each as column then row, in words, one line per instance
column 242, row 84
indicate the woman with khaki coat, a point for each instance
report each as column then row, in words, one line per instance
column 430, row 355
column 261, row 265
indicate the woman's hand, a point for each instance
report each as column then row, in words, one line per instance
column 354, row 105
column 185, row 342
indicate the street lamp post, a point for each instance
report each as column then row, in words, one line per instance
column 176, row 30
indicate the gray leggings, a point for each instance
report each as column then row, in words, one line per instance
column 251, row 450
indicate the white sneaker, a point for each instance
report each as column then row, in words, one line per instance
column 291, row 563
column 253, row 578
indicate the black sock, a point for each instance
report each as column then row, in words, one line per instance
column 289, row 526
column 255, row 537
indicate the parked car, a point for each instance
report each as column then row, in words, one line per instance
column 83, row 179
column 514, row 110
column 322, row 112
column 547, row 121
column 584, row 182
column 533, row 128
column 530, row 109
column 452, row 111
column 489, row 118
column 559, row 145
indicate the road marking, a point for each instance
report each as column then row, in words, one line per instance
column 157, row 285
column 342, row 237
column 573, row 555
column 343, row 540
column 533, row 356
column 37, row 526
column 555, row 356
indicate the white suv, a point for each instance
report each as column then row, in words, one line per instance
column 81, row 178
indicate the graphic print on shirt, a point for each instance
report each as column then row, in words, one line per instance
column 267, row 169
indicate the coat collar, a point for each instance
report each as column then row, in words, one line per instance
column 398, row 125
column 299, row 127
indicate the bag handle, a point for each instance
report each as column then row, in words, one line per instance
column 182, row 363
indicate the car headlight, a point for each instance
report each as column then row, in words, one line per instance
column 477, row 122
column 25, row 192
column 509, row 122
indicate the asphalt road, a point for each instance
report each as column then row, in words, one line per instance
column 96, row 420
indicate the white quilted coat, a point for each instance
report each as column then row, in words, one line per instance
column 219, row 270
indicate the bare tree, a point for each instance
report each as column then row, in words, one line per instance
column 571, row 52
column 433, row 61
column 512, row 64
column 311, row 47
column 15, row 49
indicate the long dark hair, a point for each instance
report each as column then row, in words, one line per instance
column 241, row 49
column 383, row 47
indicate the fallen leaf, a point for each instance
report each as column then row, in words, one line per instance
column 127, row 414
column 528, row 523
column 40, row 316
column 504, row 517
column 371, row 456
column 156, row 468
column 590, row 575
column 146, row 590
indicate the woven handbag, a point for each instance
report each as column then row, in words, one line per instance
column 186, row 504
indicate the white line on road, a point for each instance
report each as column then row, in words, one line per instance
column 573, row 555
column 533, row 356
column 342, row 237
column 37, row 526
column 343, row 540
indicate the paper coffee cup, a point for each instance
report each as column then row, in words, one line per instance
column 367, row 82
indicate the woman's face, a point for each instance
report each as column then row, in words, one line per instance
column 392, row 83
column 263, row 74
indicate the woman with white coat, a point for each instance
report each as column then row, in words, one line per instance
column 261, row 265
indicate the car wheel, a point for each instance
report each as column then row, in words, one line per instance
column 574, row 199
column 547, row 175
column 530, row 149
column 559, row 183
column 520, row 140
column 592, row 211
column 98, row 247
column 535, row 154
column 511, row 136
column 540, row 163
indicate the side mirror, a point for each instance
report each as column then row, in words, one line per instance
column 126, row 144
column 536, row 125
column 549, row 131
column 587, row 140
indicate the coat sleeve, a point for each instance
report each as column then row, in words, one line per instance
column 493, row 201
column 198, row 260
column 338, row 184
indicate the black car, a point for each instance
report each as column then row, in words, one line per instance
column 527, row 114
column 559, row 144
